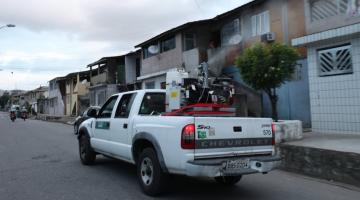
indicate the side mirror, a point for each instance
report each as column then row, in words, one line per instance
column 92, row 113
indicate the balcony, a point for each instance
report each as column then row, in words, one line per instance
column 98, row 79
column 322, row 15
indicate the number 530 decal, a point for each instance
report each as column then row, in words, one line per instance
column 267, row 132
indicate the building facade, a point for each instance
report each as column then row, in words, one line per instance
column 333, row 43
column 221, row 39
column 106, row 76
column 56, row 97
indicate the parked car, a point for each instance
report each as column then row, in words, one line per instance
column 132, row 127
column 90, row 111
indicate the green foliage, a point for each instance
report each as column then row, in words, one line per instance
column 4, row 99
column 265, row 67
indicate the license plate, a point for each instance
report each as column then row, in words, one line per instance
column 232, row 165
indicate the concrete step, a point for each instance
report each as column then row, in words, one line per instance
column 327, row 164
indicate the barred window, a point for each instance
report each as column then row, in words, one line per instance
column 335, row 60
column 323, row 9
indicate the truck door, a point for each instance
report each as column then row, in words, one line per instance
column 121, row 127
column 102, row 125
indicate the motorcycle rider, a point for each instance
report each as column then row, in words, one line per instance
column 12, row 115
column 24, row 113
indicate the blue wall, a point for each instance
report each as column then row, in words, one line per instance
column 294, row 100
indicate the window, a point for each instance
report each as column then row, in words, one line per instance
column 325, row 9
column 168, row 44
column 124, row 106
column 260, row 23
column 106, row 110
column 153, row 104
column 229, row 31
column 163, row 85
column 189, row 41
column 150, row 50
column 335, row 60
column 150, row 85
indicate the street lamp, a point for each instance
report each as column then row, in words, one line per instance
column 8, row 26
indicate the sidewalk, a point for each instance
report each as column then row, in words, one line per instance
column 59, row 119
column 335, row 142
column 328, row 156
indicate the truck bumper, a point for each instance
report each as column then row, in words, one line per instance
column 217, row 167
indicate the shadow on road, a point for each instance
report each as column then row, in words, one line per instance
column 178, row 187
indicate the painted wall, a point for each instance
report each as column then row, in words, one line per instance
column 294, row 100
column 96, row 93
column 335, row 100
column 163, row 61
column 57, row 107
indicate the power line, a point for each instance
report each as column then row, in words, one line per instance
column 197, row 5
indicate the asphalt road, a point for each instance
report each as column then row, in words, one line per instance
column 39, row 161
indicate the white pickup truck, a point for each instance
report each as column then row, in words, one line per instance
column 130, row 127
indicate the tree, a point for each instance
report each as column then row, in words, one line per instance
column 266, row 67
column 4, row 99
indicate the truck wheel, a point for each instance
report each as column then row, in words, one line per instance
column 228, row 180
column 150, row 176
column 87, row 154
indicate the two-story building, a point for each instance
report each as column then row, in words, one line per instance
column 56, row 97
column 111, row 75
column 76, row 98
column 106, row 75
column 333, row 48
column 35, row 99
column 221, row 39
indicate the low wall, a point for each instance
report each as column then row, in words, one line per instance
column 326, row 164
column 288, row 130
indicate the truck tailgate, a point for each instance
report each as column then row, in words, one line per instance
column 226, row 137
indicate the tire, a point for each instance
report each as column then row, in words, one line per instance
column 86, row 153
column 228, row 180
column 150, row 176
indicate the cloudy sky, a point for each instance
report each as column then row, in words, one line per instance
column 56, row 37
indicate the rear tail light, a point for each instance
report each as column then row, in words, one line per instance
column 273, row 129
column 188, row 137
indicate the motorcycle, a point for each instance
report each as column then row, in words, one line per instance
column 12, row 116
column 24, row 116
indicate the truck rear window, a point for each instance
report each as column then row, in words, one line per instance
column 152, row 104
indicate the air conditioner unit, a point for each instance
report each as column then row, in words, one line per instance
column 268, row 37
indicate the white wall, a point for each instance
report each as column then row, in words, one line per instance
column 335, row 100
column 58, row 108
column 158, row 80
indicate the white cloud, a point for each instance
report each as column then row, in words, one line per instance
column 65, row 35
